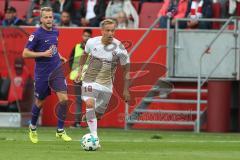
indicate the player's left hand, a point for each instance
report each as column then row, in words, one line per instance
column 126, row 95
column 63, row 59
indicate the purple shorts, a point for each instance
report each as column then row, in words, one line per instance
column 43, row 88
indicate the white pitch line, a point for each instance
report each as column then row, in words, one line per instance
column 203, row 141
column 140, row 141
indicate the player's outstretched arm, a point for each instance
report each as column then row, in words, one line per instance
column 126, row 75
column 82, row 62
column 31, row 54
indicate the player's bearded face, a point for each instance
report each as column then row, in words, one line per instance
column 47, row 19
column 108, row 33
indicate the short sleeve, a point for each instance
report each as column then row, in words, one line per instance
column 124, row 57
column 32, row 42
column 88, row 47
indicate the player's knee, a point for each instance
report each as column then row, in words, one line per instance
column 63, row 99
column 90, row 103
column 39, row 103
column 62, row 96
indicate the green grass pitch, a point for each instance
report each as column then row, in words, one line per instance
column 118, row 144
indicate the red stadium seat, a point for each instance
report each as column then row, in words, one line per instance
column 216, row 14
column 149, row 13
column 1, row 15
column 135, row 4
column 77, row 5
column 2, row 4
column 21, row 7
column 3, row 103
column 238, row 9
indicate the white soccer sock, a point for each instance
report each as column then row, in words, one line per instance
column 91, row 120
column 33, row 126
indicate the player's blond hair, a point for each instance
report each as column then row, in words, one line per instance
column 106, row 22
column 45, row 9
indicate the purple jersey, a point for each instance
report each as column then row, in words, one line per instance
column 40, row 41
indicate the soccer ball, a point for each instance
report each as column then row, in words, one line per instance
column 89, row 142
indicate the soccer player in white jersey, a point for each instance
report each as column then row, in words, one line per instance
column 105, row 52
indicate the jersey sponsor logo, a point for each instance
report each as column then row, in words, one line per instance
column 46, row 40
column 18, row 81
column 31, row 37
column 54, row 49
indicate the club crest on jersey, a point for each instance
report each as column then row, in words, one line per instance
column 31, row 38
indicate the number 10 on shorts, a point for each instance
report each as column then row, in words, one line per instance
column 88, row 88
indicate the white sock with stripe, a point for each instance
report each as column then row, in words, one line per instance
column 91, row 120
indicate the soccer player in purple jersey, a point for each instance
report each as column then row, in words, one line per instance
column 42, row 46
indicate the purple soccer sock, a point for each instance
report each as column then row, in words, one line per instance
column 35, row 114
column 61, row 114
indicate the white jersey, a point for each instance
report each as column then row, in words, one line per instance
column 103, row 60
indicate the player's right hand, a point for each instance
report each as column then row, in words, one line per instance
column 47, row 53
column 78, row 78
